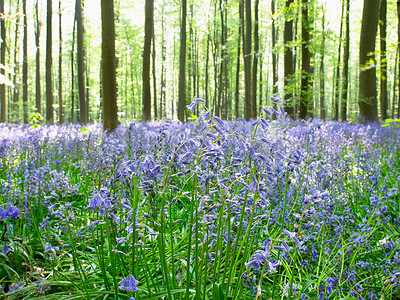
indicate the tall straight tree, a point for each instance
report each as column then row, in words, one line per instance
column 288, row 60
column 306, row 99
column 3, row 62
column 345, row 77
column 383, row 59
column 367, row 87
column 49, row 62
column 14, row 107
column 398, row 59
column 182, row 65
column 237, row 81
column 246, row 24
column 322, row 109
column 109, row 82
column 274, row 50
column 336, row 97
column 255, row 62
column 60, row 90
column 81, row 66
column 25, row 66
column 148, row 35
column 38, row 94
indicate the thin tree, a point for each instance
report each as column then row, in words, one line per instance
column 109, row 82
column 182, row 65
column 255, row 61
column 247, row 26
column 305, row 100
column 336, row 98
column 3, row 62
column 60, row 90
column 80, row 61
column 288, row 60
column 153, row 58
column 38, row 94
column 148, row 34
column 15, row 108
column 237, row 81
column 398, row 59
column 274, row 50
column 25, row 66
column 346, row 57
column 322, row 109
column 383, row 59
column 49, row 62
column 367, row 88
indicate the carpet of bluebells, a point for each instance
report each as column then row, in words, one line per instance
column 210, row 209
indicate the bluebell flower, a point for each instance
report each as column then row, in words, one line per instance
column 192, row 105
column 129, row 284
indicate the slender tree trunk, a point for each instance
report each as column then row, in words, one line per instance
column 305, row 63
column 14, row 107
column 81, row 65
column 288, row 61
column 398, row 59
column 237, row 82
column 3, row 62
column 206, row 70
column 109, row 82
column 182, row 66
column 147, row 60
column 367, row 95
column 345, row 76
column 73, row 72
column 154, row 76
column 274, row 56
column 336, row 99
column 383, row 87
column 394, row 95
column 38, row 95
column 60, row 90
column 255, row 62
column 163, row 56
column 49, row 62
column 322, row 111
column 25, row 66
column 246, row 24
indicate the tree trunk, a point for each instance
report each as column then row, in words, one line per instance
column 367, row 88
column 237, row 82
column 148, row 34
column 49, row 62
column 3, row 62
column 38, row 94
column 274, row 56
column 322, row 111
column 109, row 83
column 288, row 61
column 60, row 90
column 25, row 67
column 255, row 62
column 154, row 76
column 14, row 107
column 383, row 87
column 81, row 65
column 305, row 63
column 246, row 24
column 398, row 59
column 182, row 66
column 73, row 72
column 345, row 76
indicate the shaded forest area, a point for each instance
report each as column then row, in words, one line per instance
column 233, row 54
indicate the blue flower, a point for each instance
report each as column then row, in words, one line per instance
column 129, row 284
column 192, row 105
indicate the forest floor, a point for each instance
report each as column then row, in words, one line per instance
column 211, row 209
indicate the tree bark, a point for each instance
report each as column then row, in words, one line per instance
column 322, row 111
column 345, row 76
column 288, row 61
column 25, row 67
column 383, row 34
column 182, row 66
column 146, row 59
column 81, row 67
column 246, row 24
column 3, row 62
column 305, row 63
column 49, row 62
column 255, row 62
column 109, row 83
column 38, row 94
column 237, row 81
column 60, row 87
column 273, row 37
column 367, row 88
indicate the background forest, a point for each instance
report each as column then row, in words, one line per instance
column 237, row 55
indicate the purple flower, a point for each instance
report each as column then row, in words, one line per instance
column 6, row 249
column 192, row 105
column 129, row 284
